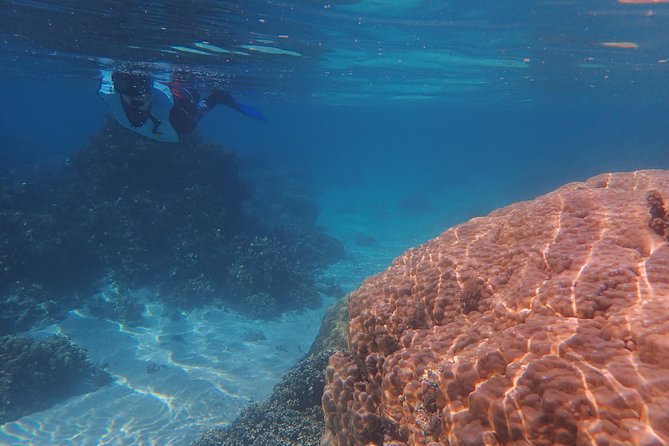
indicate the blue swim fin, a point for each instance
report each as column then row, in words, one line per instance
column 250, row 112
column 225, row 98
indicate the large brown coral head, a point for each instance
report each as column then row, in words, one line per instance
column 544, row 323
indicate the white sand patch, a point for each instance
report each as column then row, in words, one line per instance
column 174, row 377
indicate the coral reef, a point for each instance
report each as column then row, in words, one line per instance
column 25, row 304
column 292, row 415
column 37, row 374
column 544, row 323
column 268, row 424
column 276, row 270
column 140, row 213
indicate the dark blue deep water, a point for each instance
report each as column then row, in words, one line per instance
column 387, row 122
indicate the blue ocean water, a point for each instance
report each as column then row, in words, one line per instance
column 398, row 119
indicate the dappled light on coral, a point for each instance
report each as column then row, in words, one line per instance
column 545, row 322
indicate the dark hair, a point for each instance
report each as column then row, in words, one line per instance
column 131, row 84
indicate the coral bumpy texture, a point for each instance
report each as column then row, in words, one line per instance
column 543, row 323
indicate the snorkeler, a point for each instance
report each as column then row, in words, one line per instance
column 161, row 111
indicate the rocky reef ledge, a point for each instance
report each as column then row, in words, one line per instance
column 543, row 323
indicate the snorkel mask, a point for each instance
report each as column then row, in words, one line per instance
column 136, row 91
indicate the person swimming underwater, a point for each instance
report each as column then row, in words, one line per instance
column 161, row 111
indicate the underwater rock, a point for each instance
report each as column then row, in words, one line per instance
column 292, row 415
column 545, row 322
column 366, row 240
column 37, row 374
column 334, row 329
column 254, row 336
column 330, row 287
